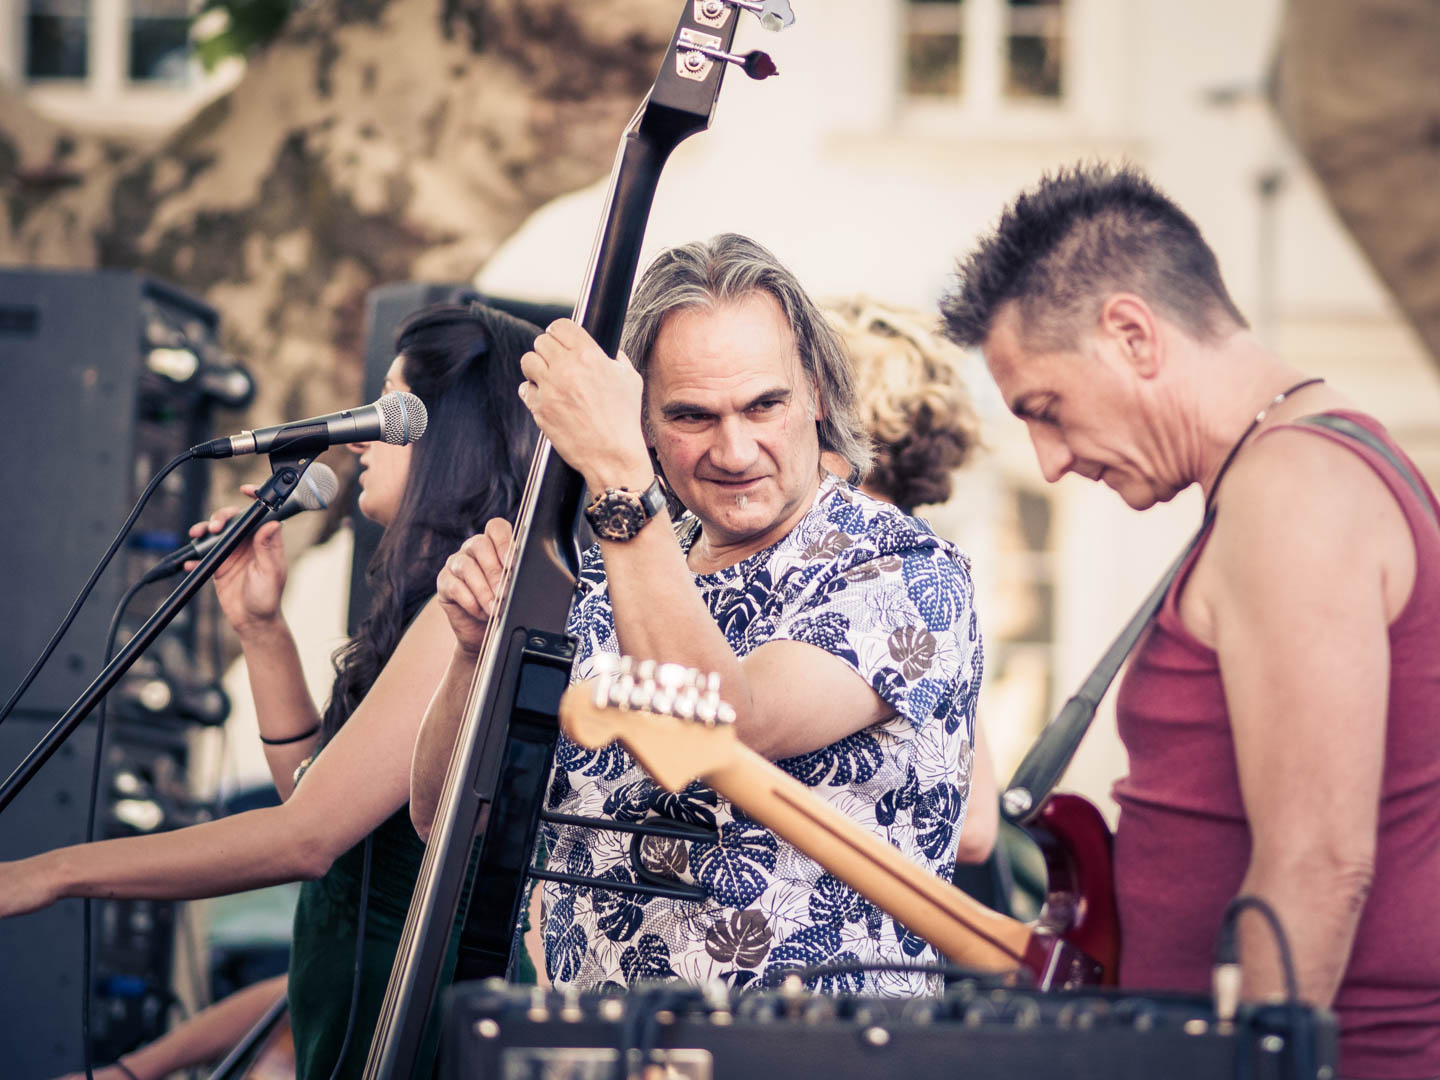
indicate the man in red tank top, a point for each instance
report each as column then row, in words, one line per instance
column 1282, row 714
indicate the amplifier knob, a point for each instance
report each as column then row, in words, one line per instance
column 487, row 1029
column 570, row 1010
column 876, row 1036
column 612, row 1009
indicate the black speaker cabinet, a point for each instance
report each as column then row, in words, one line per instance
column 102, row 373
column 105, row 375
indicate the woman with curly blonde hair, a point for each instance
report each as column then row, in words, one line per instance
column 913, row 397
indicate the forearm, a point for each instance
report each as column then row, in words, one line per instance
column 436, row 740
column 246, row 851
column 982, row 811
column 283, row 706
column 208, row 1035
column 1318, row 902
column 659, row 614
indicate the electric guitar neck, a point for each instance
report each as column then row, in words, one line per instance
column 674, row 724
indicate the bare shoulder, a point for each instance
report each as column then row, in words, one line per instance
column 1300, row 510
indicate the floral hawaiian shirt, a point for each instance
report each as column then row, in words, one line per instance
column 872, row 586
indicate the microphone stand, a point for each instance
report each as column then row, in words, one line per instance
column 286, row 471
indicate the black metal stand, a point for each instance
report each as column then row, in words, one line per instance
column 285, row 475
column 649, row 883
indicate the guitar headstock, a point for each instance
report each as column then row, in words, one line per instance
column 669, row 717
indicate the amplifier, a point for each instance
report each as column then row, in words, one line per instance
column 977, row 1030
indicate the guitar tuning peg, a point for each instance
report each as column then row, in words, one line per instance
column 708, row 709
column 725, row 714
column 685, row 702
column 671, row 676
column 605, row 665
column 622, row 688
column 642, row 695
column 626, row 665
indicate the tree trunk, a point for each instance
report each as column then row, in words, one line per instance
column 374, row 141
column 1359, row 91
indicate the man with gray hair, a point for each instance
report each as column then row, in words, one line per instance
column 843, row 630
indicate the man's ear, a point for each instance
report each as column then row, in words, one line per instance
column 1130, row 322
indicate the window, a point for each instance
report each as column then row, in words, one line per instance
column 57, row 39
column 934, row 57
column 1034, row 49
column 984, row 53
column 159, row 41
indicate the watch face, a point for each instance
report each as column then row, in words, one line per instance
column 616, row 517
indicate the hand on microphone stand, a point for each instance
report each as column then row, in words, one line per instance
column 249, row 583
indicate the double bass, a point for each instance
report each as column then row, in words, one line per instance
column 495, row 785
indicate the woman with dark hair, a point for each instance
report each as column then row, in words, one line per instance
column 343, row 826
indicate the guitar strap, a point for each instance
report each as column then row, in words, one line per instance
column 1050, row 756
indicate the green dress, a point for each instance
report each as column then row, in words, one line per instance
column 322, row 955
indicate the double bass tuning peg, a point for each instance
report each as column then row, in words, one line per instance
column 696, row 51
column 774, row 15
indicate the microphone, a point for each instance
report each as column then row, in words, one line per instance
column 398, row 418
column 314, row 492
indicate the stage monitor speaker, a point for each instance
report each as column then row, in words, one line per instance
column 104, row 375
column 386, row 308
column 142, row 790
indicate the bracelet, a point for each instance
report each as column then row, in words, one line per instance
column 129, row 1072
column 291, row 739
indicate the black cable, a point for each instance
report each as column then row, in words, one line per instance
column 170, row 467
column 359, row 957
column 1227, row 949
column 111, row 634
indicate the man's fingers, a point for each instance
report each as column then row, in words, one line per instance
column 563, row 339
column 568, row 333
column 468, row 572
column 481, row 553
column 453, row 592
column 500, row 533
column 534, row 365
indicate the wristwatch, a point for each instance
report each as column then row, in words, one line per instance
column 620, row 514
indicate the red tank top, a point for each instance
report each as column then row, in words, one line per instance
column 1182, row 845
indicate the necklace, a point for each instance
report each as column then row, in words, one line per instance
column 1250, row 430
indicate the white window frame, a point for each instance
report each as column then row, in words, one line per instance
column 107, row 98
column 981, row 108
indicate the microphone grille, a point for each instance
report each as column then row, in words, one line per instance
column 317, row 487
column 402, row 418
